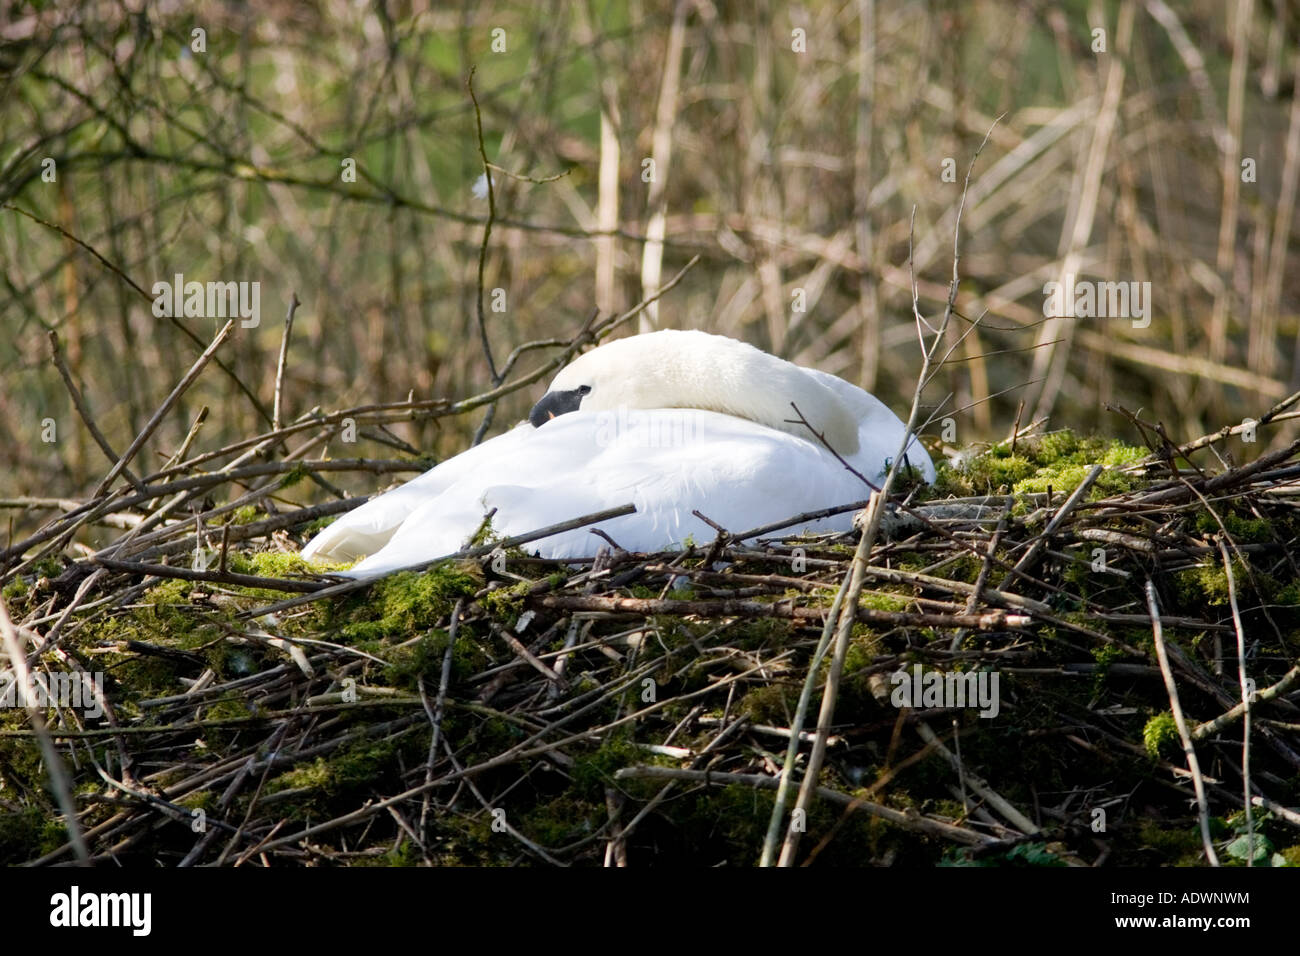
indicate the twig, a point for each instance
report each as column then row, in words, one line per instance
column 854, row 580
column 909, row 820
column 487, row 233
column 1062, row 513
column 79, row 403
column 1211, row 727
column 253, row 399
column 279, row 365
column 53, row 762
column 215, row 577
column 729, row 607
column 982, row 789
column 1193, row 766
column 475, row 552
column 186, row 381
column 1244, row 683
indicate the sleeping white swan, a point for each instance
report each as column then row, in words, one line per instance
column 670, row 421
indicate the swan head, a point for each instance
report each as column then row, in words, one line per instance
column 691, row 369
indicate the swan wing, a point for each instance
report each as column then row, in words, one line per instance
column 366, row 529
column 666, row 462
column 880, row 431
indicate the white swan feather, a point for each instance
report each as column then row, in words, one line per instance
column 670, row 421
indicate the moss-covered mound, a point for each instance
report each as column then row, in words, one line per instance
column 1002, row 700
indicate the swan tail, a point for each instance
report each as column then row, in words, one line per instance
column 363, row 530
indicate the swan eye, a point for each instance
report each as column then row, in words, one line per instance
column 584, row 389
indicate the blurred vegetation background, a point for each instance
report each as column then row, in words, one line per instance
column 800, row 149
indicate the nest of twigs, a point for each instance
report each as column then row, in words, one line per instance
column 498, row 708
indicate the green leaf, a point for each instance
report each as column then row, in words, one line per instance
column 1240, row 848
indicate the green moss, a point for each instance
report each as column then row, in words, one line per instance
column 1056, row 479
column 47, row 568
column 593, row 772
column 276, row 564
column 1242, row 529
column 246, row 514
column 15, row 590
column 316, row 775
column 205, row 800
column 1104, row 655
column 402, row 604
column 563, row 820
column 772, row 704
column 966, row 568
column 1065, row 460
column 484, row 535
column 1160, row 734
column 279, row 564
column 756, row 633
column 860, row 653
column 216, row 737
column 423, row 659
column 21, row 766
column 1182, row 845
column 1288, row 594
column 311, row 528
column 363, row 767
column 505, row 604
column 293, row 476
column 168, row 611
column 492, row 736
column 22, row 835
column 995, row 470
column 1058, row 460
column 885, row 601
column 717, row 825
column 1207, row 584
column 406, row 853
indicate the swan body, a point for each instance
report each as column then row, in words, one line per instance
column 671, row 422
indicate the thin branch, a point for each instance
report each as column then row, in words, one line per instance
column 1193, row 766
